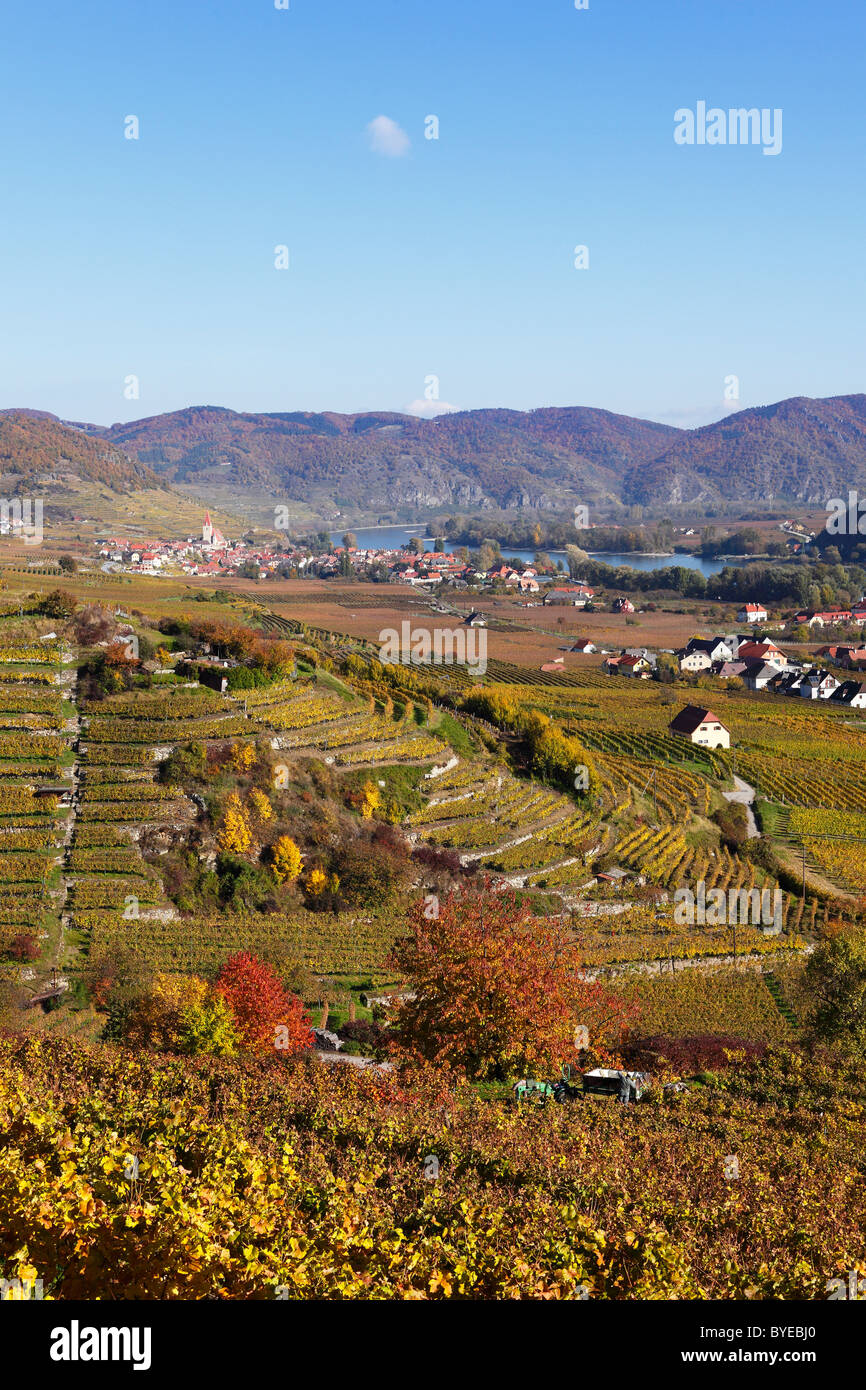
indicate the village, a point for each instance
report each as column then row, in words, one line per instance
column 750, row 659
column 213, row 554
column 759, row 665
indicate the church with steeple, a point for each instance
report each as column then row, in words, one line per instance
column 211, row 536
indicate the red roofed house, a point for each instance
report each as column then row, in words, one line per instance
column 830, row 618
column 637, row 666
column 752, row 613
column 762, row 651
column 700, row 726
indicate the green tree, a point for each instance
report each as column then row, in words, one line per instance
column 208, row 1026
column 59, row 604
column 835, row 980
column 577, row 560
column 488, row 555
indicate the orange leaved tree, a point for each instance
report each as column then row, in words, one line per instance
column 268, row 1019
column 496, row 992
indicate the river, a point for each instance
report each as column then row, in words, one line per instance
column 393, row 537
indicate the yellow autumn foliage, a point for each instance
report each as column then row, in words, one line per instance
column 261, row 806
column 287, row 860
column 235, row 835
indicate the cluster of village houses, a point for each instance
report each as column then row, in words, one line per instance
column 213, row 554
column 759, row 664
column 210, row 554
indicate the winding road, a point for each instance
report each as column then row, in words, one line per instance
column 744, row 795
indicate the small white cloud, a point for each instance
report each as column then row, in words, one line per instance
column 387, row 138
column 694, row 417
column 428, row 410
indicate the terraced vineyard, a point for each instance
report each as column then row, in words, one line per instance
column 110, row 887
column 651, row 816
column 34, row 756
column 803, row 784
column 345, row 945
column 510, row 826
column 351, row 729
column 115, row 897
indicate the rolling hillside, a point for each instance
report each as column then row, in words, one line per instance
column 798, row 450
column 35, row 447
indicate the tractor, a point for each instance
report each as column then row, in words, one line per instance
column 626, row 1086
column 531, row 1089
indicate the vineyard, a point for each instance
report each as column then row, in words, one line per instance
column 843, row 860
column 334, row 946
column 732, row 1002
column 650, row 816
column 827, row 786
column 281, row 1169
column 670, row 790
column 33, row 754
column 507, row 824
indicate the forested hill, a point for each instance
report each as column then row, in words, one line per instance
column 796, row 450
column 799, row 450
column 474, row 459
column 36, row 446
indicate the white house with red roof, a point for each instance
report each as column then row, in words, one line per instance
column 831, row 617
column 752, row 613
column 762, row 651
column 701, row 726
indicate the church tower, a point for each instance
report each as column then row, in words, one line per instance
column 207, row 530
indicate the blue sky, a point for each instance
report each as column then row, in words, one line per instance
column 154, row 257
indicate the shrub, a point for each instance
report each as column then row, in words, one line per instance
column 704, row 1051
column 59, row 603
column 24, row 947
column 371, row 1039
column 286, row 860
column 733, row 822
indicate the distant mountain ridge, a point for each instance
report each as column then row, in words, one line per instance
column 799, row 450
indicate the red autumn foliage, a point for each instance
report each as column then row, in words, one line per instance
column 496, row 992
column 261, row 1005
column 24, row 947
column 698, row 1052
